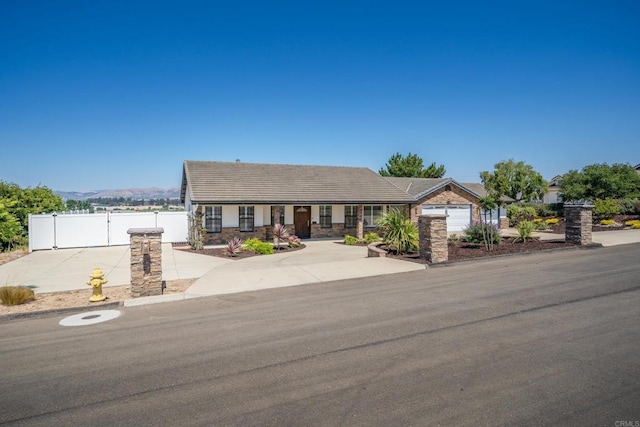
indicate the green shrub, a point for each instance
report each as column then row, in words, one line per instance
column 607, row 222
column 453, row 238
column 544, row 210
column 519, row 212
column 541, row 225
column 476, row 233
column 398, row 232
column 15, row 295
column 525, row 230
column 626, row 206
column 350, row 240
column 294, row 241
column 605, row 209
column 371, row 237
column 258, row 246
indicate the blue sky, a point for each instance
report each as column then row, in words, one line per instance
column 116, row 94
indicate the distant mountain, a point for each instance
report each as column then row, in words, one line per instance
column 129, row 193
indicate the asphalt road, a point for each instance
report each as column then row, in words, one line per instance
column 547, row 339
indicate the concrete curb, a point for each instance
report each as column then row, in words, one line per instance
column 154, row 299
column 542, row 251
column 57, row 311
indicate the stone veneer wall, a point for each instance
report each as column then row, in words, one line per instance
column 455, row 196
column 146, row 266
column 337, row 230
column 579, row 224
column 432, row 231
column 228, row 233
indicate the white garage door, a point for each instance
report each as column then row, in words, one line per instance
column 459, row 215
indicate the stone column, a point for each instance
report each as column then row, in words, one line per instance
column 579, row 223
column 432, row 231
column 360, row 222
column 146, row 261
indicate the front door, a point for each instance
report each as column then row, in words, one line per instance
column 302, row 221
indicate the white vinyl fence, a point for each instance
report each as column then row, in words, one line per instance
column 57, row 231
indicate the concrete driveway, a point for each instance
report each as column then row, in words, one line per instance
column 69, row 269
column 320, row 261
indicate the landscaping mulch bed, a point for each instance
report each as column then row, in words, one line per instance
column 222, row 252
column 460, row 251
column 559, row 228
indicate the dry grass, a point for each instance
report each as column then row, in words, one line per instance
column 15, row 295
column 80, row 298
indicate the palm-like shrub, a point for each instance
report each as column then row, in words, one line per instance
column 280, row 232
column 525, row 230
column 398, row 232
column 234, row 246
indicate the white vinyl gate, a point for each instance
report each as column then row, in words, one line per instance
column 57, row 231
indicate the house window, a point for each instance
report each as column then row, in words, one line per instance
column 213, row 219
column 350, row 216
column 277, row 213
column 325, row 216
column 371, row 215
column 246, row 218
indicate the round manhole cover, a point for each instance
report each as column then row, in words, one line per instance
column 90, row 318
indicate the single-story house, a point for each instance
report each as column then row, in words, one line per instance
column 248, row 199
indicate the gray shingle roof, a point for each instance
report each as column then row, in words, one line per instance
column 418, row 187
column 261, row 183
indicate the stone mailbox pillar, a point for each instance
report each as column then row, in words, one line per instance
column 146, row 261
column 579, row 223
column 432, row 231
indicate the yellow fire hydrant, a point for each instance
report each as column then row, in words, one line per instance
column 97, row 280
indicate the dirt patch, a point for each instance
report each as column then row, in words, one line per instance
column 80, row 298
column 6, row 257
column 222, row 252
column 460, row 251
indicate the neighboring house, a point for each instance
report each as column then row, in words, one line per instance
column 248, row 199
column 638, row 168
column 447, row 196
column 553, row 190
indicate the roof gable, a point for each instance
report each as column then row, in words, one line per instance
column 263, row 183
column 422, row 187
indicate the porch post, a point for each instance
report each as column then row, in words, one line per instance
column 360, row 222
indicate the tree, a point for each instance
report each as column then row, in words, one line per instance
column 411, row 166
column 10, row 229
column 487, row 205
column 600, row 182
column 17, row 203
column 516, row 180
